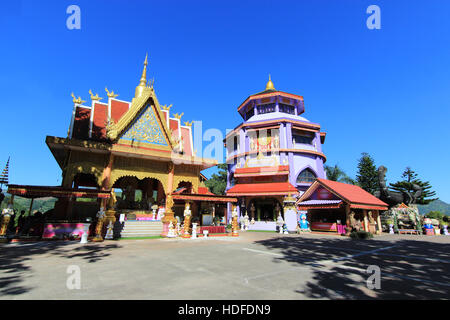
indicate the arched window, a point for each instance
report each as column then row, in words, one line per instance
column 306, row 176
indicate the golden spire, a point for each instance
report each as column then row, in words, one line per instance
column 269, row 85
column 143, row 82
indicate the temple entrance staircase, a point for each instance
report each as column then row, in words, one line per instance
column 139, row 229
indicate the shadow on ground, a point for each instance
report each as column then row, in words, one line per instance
column 411, row 269
column 15, row 260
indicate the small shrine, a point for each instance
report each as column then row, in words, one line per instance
column 331, row 206
column 274, row 152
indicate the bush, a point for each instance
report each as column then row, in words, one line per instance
column 361, row 235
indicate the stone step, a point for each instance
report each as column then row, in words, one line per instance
column 143, row 226
column 139, row 235
column 135, row 229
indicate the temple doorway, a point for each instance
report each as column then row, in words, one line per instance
column 265, row 209
column 134, row 194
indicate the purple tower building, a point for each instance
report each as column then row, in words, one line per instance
column 273, row 153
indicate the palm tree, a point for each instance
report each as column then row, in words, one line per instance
column 337, row 174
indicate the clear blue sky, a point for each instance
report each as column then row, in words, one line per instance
column 385, row 92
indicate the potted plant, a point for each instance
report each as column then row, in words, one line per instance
column 229, row 227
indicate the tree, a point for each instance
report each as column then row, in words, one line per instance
column 410, row 178
column 435, row 215
column 218, row 181
column 337, row 174
column 367, row 175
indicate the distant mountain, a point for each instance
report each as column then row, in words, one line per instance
column 437, row 205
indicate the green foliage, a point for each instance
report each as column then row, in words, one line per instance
column 41, row 204
column 337, row 174
column 218, row 181
column 407, row 185
column 435, row 215
column 367, row 176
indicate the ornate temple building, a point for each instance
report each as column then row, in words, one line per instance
column 273, row 153
column 137, row 150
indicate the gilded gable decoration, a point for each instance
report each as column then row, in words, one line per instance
column 146, row 129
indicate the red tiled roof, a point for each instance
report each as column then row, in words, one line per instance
column 351, row 193
column 204, row 190
column 262, row 188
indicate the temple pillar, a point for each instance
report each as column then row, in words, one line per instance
column 106, row 177
column 69, row 211
column 347, row 219
column 168, row 214
column 228, row 213
column 366, row 221
column 380, row 228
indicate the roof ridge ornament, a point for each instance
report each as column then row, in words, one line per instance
column 110, row 94
column 143, row 82
column 178, row 116
column 269, row 85
column 167, row 108
column 96, row 97
column 77, row 101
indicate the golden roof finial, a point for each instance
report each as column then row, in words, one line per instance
column 143, row 82
column 96, row 97
column 110, row 94
column 77, row 101
column 188, row 124
column 167, row 108
column 144, row 72
column 178, row 116
column 269, row 85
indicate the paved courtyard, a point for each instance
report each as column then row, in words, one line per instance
column 256, row 265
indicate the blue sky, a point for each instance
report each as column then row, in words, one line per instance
column 385, row 92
